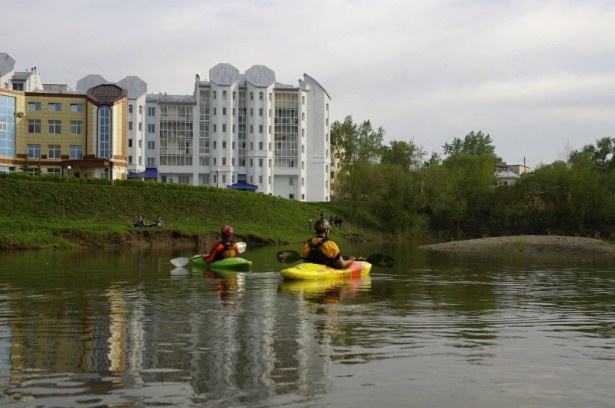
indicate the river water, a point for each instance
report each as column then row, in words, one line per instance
column 97, row 328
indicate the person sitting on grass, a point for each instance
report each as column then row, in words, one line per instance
column 141, row 222
column 157, row 223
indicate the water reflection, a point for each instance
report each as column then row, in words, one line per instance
column 127, row 328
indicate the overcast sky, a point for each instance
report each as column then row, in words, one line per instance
column 538, row 76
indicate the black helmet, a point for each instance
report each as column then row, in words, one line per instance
column 321, row 225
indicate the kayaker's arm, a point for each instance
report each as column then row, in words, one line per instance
column 344, row 262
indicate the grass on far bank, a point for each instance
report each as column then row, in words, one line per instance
column 37, row 210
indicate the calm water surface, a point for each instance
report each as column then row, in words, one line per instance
column 94, row 328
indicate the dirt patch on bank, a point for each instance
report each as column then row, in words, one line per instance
column 153, row 238
column 528, row 243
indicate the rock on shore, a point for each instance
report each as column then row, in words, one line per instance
column 528, row 243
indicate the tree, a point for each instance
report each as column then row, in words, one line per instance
column 357, row 149
column 352, row 142
column 406, row 155
column 601, row 155
column 473, row 144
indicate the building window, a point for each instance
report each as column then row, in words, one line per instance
column 54, row 152
column 150, row 162
column 129, row 142
column 215, row 94
column 54, row 107
column 76, row 107
column 130, row 125
column 130, row 108
column 260, row 128
column 76, row 152
column 224, row 128
column 55, row 126
column 224, row 111
column 260, row 112
column 34, row 151
column 76, row 127
column 140, row 109
column 302, row 99
column 151, row 145
column 129, row 159
column 151, row 111
column 104, row 136
column 251, row 96
column 260, row 162
column 151, row 128
column 34, row 106
column 260, row 96
column 34, row 126
column 224, row 144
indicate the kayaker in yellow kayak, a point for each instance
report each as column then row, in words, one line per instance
column 321, row 250
column 225, row 248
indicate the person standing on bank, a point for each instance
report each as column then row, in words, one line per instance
column 321, row 250
column 225, row 248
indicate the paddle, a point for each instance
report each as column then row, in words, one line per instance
column 241, row 247
column 289, row 256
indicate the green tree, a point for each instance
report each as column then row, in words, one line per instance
column 602, row 155
column 351, row 142
column 473, row 144
column 406, row 155
column 357, row 148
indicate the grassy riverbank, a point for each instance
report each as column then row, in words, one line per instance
column 46, row 212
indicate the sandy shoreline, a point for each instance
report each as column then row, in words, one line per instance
column 528, row 243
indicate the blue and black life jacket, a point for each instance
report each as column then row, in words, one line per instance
column 316, row 255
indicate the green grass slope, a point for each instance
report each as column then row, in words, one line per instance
column 40, row 212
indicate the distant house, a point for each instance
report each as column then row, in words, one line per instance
column 507, row 175
column 506, row 178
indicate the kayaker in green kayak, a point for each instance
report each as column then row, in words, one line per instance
column 225, row 248
column 321, row 250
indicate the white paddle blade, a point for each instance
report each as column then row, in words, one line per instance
column 179, row 262
column 179, row 271
column 241, row 246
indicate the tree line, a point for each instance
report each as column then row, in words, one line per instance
column 453, row 194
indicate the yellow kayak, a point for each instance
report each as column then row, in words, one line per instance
column 311, row 271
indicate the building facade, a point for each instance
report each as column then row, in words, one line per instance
column 236, row 130
column 243, row 131
column 45, row 129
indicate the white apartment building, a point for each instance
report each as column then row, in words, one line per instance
column 243, row 131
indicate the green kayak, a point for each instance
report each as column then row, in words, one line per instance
column 228, row 264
